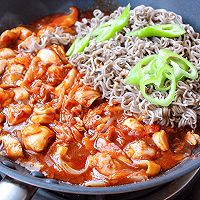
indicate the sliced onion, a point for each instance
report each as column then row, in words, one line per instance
column 68, row 169
column 95, row 183
column 108, row 123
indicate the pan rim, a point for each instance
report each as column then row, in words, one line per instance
column 183, row 168
column 189, row 165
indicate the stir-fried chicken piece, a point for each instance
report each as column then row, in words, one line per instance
column 36, row 70
column 161, row 140
column 59, row 50
column 43, row 114
column 139, row 150
column 20, row 94
column 192, row 138
column 6, row 53
column 112, row 149
column 133, row 124
column 18, row 113
column 6, row 97
column 86, row 95
column 11, row 146
column 8, row 37
column 36, row 137
column 12, row 79
column 152, row 168
column 104, row 163
column 48, row 56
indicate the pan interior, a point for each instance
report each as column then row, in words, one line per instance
column 20, row 12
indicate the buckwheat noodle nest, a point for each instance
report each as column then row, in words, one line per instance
column 106, row 64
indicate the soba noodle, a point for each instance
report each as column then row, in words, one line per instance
column 105, row 66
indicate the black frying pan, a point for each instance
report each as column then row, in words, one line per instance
column 16, row 12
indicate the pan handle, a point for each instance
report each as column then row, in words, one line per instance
column 11, row 189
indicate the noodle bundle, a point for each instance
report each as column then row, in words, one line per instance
column 106, row 65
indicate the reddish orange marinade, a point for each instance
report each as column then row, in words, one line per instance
column 51, row 122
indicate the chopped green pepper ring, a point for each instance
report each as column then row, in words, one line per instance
column 163, row 30
column 179, row 64
column 161, row 78
column 163, row 71
column 169, row 74
column 137, row 72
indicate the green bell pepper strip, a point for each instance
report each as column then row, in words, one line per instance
column 163, row 30
column 108, row 30
column 78, row 45
column 168, row 72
